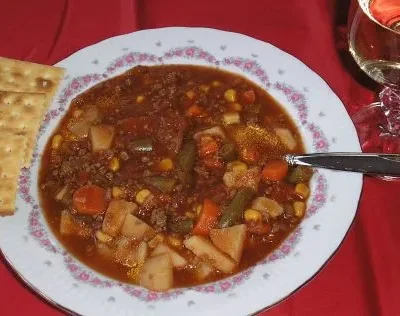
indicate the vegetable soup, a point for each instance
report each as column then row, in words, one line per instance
column 172, row 176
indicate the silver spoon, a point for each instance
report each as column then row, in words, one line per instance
column 370, row 164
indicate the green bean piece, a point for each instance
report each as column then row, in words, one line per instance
column 187, row 156
column 300, row 174
column 234, row 211
column 183, row 227
column 165, row 185
column 142, row 145
column 228, row 152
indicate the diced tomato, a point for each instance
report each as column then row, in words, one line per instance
column 139, row 126
column 250, row 154
column 195, row 111
column 275, row 170
column 258, row 228
column 90, row 200
column 208, row 218
column 248, row 96
column 208, row 145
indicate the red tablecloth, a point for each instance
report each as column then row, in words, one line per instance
column 363, row 278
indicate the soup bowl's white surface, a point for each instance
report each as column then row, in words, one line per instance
column 37, row 256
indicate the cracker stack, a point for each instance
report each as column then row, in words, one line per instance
column 26, row 92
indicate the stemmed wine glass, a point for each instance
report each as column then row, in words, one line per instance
column 374, row 42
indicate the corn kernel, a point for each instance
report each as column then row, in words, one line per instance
column 117, row 192
column 142, row 196
column 230, row 95
column 103, row 237
column 303, row 190
column 174, row 241
column 205, row 88
column 231, row 118
column 299, row 208
column 156, row 240
column 166, row 164
column 56, row 141
column 216, row 83
column 251, row 215
column 140, row 99
column 198, row 209
column 190, row 94
column 237, row 166
column 77, row 113
column 114, row 164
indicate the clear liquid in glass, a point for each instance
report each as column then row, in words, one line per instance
column 375, row 41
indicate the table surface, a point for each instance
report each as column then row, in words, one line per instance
column 363, row 278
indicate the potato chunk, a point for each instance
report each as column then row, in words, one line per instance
column 101, row 137
column 130, row 252
column 243, row 178
column 203, row 270
column 230, row 240
column 70, row 226
column 142, row 252
column 207, row 252
column 177, row 260
column 157, row 273
column 125, row 251
column 115, row 216
column 136, row 228
column 286, row 137
column 267, row 207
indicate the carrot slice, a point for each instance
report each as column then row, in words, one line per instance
column 90, row 200
column 208, row 218
column 275, row 170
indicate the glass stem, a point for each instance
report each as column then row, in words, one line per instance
column 390, row 102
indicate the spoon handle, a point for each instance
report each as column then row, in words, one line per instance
column 372, row 164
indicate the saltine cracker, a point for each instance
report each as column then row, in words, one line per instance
column 21, row 114
column 22, row 76
column 12, row 151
